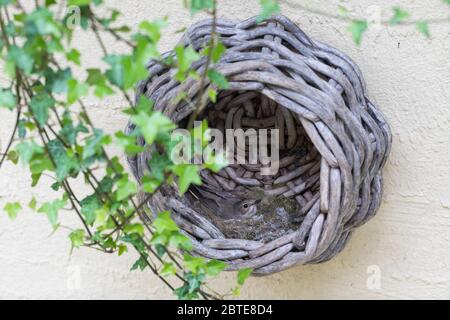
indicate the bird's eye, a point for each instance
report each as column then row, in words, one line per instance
column 245, row 205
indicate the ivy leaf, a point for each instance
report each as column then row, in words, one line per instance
column 27, row 149
column 423, row 28
column 7, row 99
column 51, row 209
column 185, row 57
column 150, row 184
column 268, row 8
column 212, row 94
column 217, row 51
column 214, row 267
column 194, row 264
column 215, row 162
column 399, row 16
column 79, row 2
column 13, row 156
column 40, row 106
column 125, row 188
column 158, row 165
column 199, row 5
column 32, row 204
column 75, row 90
column 179, row 240
column 77, row 238
column 134, row 228
column 153, row 28
column 163, row 222
column 243, row 274
column 21, row 59
column 357, row 28
column 218, row 79
column 116, row 72
column 57, row 81
column 168, row 269
column 140, row 263
column 64, row 164
column 74, row 56
column 41, row 22
column 128, row 143
column 12, row 209
column 89, row 207
column 150, row 126
column 188, row 174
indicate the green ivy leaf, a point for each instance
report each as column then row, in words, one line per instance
column 212, row 94
column 74, row 56
column 243, row 274
column 137, row 228
column 214, row 267
column 179, row 240
column 40, row 106
column 187, row 174
column 185, row 57
column 89, row 207
column 12, row 209
column 168, row 269
column 51, row 209
column 27, row 149
column 21, row 59
column 422, row 27
column 77, row 238
column 140, row 263
column 194, row 264
column 268, row 8
column 163, row 222
column 7, row 99
column 357, row 28
column 125, row 188
column 150, row 126
column 218, row 79
column 79, row 2
column 153, row 28
column 57, row 81
column 64, row 164
column 399, row 15
column 32, row 204
column 41, row 22
column 199, row 5
column 128, row 143
column 75, row 90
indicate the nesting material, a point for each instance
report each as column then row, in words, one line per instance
column 333, row 145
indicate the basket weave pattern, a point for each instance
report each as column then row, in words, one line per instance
column 334, row 142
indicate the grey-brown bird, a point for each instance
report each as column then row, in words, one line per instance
column 225, row 204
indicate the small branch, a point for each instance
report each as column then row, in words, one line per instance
column 202, row 94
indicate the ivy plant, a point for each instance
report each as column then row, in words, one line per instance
column 54, row 135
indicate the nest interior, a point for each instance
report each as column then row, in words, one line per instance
column 333, row 144
column 291, row 184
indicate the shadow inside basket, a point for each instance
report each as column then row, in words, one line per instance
column 284, row 193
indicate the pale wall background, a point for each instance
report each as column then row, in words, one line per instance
column 408, row 242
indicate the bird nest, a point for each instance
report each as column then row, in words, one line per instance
column 333, row 143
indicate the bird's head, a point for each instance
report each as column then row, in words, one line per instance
column 246, row 207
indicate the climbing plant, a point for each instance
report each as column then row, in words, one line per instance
column 54, row 135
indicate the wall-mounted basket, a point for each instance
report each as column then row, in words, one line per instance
column 334, row 141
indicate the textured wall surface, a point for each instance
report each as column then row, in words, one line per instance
column 402, row 253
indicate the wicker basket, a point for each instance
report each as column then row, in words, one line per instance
column 334, row 142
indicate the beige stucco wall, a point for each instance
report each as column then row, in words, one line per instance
column 407, row 244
